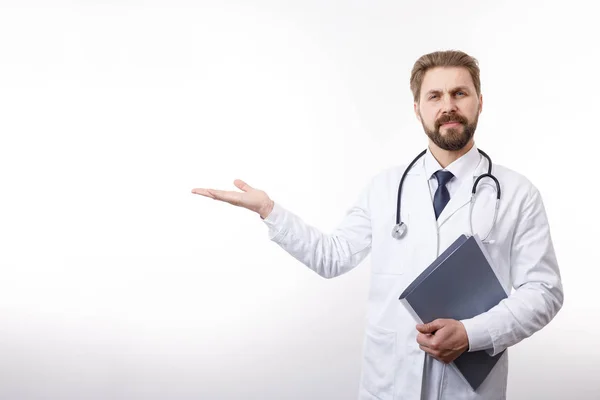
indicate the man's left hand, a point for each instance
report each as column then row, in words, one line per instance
column 444, row 339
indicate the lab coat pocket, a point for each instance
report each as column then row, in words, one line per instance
column 379, row 364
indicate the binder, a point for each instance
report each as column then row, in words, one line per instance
column 460, row 284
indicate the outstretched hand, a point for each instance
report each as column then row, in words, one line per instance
column 444, row 339
column 253, row 199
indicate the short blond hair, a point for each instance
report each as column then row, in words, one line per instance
column 449, row 58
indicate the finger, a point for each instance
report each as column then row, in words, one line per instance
column 227, row 196
column 240, row 184
column 446, row 359
column 424, row 339
column 432, row 353
column 203, row 192
column 431, row 327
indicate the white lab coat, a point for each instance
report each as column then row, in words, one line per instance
column 522, row 252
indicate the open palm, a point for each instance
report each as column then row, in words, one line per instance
column 253, row 199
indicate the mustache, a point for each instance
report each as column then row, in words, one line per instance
column 451, row 118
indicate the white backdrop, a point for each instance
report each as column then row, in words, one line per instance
column 117, row 283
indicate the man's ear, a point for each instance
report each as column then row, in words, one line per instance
column 417, row 111
column 480, row 103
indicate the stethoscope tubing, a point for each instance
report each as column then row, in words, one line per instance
column 400, row 228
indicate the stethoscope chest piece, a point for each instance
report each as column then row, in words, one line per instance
column 399, row 230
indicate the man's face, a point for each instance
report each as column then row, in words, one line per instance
column 448, row 107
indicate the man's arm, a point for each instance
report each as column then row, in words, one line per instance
column 535, row 276
column 329, row 255
column 536, row 300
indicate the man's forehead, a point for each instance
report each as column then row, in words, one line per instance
column 445, row 78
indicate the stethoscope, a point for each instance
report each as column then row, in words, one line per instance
column 400, row 228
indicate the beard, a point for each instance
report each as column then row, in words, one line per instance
column 455, row 138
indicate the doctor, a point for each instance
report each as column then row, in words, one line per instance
column 402, row 359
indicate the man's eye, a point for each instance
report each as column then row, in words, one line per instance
column 432, row 96
column 460, row 93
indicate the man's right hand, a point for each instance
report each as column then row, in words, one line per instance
column 253, row 199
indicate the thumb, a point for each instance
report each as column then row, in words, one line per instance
column 431, row 327
column 240, row 184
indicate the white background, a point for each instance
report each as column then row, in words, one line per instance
column 117, row 283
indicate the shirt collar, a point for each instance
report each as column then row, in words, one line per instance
column 462, row 168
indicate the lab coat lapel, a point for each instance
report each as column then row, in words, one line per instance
column 461, row 198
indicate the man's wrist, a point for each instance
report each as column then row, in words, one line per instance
column 477, row 333
column 266, row 210
column 466, row 344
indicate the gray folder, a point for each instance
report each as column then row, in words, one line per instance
column 459, row 284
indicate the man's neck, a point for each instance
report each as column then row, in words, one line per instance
column 447, row 157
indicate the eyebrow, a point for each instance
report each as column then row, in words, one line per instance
column 455, row 89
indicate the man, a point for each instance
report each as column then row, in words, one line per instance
column 401, row 360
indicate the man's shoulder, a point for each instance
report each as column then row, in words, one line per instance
column 513, row 183
column 506, row 172
column 392, row 171
column 388, row 175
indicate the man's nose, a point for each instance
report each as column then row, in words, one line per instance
column 448, row 104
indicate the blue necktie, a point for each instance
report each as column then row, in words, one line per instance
column 441, row 196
